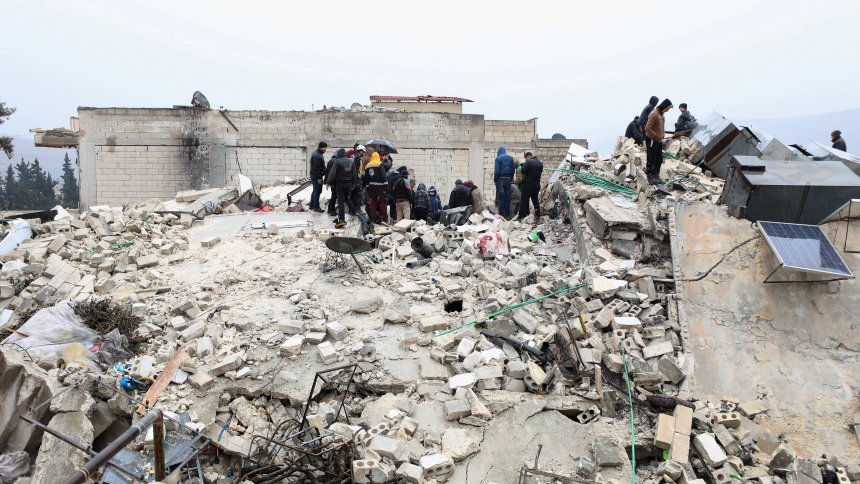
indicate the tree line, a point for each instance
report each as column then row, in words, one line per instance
column 27, row 186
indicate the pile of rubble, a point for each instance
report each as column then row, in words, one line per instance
column 459, row 353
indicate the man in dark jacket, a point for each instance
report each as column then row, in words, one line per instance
column 357, row 152
column 460, row 196
column 402, row 195
column 342, row 176
column 435, row 203
column 317, row 172
column 838, row 141
column 502, row 176
column 532, row 172
column 331, row 208
column 374, row 180
column 655, row 130
column 634, row 131
column 643, row 118
column 686, row 121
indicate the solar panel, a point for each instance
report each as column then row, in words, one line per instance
column 804, row 248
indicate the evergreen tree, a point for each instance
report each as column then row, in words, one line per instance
column 6, row 141
column 9, row 185
column 24, row 187
column 70, row 184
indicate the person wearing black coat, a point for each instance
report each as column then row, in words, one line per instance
column 532, row 172
column 342, row 176
column 838, row 141
column 461, row 196
column 634, row 131
column 317, row 172
column 646, row 111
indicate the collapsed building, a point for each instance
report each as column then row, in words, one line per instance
column 634, row 335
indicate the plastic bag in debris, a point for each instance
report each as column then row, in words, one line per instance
column 493, row 243
column 13, row 465
column 57, row 332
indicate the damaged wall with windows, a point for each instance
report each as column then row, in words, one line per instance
column 135, row 154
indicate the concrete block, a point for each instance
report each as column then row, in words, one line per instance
column 336, row 330
column 463, row 380
column 752, row 408
column 782, row 458
column 292, row 346
column 625, row 322
column 680, row 450
column 437, row 466
column 450, row 267
column 466, row 346
column 683, row 419
column 210, row 242
column 229, row 363
column 608, row 453
column 731, row 420
column 148, row 260
column 434, row 322
column 525, row 321
column 387, row 447
column 709, row 449
column 665, row 431
column 196, row 330
column 292, row 326
column 658, row 349
column 366, row 305
column 327, row 353
column 517, row 369
column 457, row 409
column 371, row 470
column 410, row 473
column 201, row 380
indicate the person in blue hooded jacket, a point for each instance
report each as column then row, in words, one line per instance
column 503, row 174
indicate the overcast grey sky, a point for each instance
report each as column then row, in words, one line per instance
column 582, row 68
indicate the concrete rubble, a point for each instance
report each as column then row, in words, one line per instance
column 457, row 369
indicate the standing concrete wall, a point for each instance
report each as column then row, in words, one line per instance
column 135, row 154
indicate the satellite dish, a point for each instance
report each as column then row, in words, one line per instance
column 356, row 106
column 559, row 136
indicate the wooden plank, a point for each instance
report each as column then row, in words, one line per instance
column 162, row 381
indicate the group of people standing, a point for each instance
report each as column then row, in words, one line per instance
column 521, row 179
column 365, row 176
column 649, row 128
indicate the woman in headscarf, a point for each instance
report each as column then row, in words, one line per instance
column 478, row 205
column 421, row 207
column 377, row 188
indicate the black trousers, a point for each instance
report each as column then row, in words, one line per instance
column 529, row 193
column 654, row 157
column 331, row 201
column 344, row 195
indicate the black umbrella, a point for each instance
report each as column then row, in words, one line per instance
column 381, row 145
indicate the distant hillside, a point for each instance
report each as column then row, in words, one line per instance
column 814, row 127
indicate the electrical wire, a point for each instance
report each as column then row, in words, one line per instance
column 511, row 308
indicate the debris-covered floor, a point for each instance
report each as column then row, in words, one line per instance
column 567, row 356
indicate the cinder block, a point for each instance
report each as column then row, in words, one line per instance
column 665, row 431
column 683, row 419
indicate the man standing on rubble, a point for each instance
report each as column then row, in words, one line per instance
column 342, row 177
column 316, row 174
column 532, row 170
column 643, row 118
column 655, row 129
column 502, row 176
column 402, row 193
column 838, row 141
